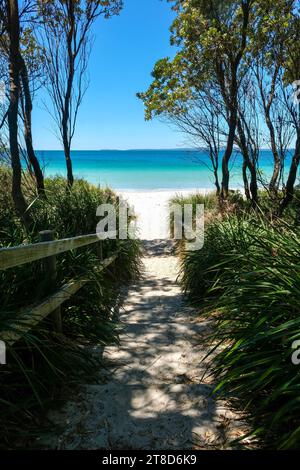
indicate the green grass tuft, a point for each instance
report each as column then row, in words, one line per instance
column 42, row 364
column 249, row 273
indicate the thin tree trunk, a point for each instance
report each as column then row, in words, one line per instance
column 217, row 184
column 28, row 131
column 290, row 184
column 273, row 186
column 253, row 184
column 245, row 180
column 227, row 154
column 67, row 101
column 251, row 190
column 214, row 158
column 66, row 130
column 14, row 76
column 231, row 136
column 69, row 165
column 233, row 101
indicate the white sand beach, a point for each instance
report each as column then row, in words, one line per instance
column 151, row 208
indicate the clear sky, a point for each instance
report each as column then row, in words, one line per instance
column 111, row 117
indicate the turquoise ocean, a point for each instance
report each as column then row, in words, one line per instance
column 147, row 169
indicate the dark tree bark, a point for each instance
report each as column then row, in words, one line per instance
column 67, row 100
column 214, row 158
column 216, row 176
column 245, row 180
column 267, row 103
column 228, row 152
column 14, row 75
column 273, row 186
column 28, row 130
column 290, row 184
column 251, row 190
column 231, row 98
column 253, row 184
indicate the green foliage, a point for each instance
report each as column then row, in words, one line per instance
column 42, row 363
column 208, row 35
column 210, row 200
column 249, row 272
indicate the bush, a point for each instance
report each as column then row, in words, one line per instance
column 249, row 272
column 212, row 209
column 43, row 363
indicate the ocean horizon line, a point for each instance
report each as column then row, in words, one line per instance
column 122, row 150
column 145, row 149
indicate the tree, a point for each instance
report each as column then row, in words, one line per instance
column 282, row 32
column 13, row 27
column 269, row 36
column 197, row 114
column 26, row 102
column 248, row 136
column 202, row 121
column 66, row 37
column 292, row 104
column 28, row 60
column 212, row 37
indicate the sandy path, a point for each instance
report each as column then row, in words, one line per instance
column 152, row 210
column 155, row 397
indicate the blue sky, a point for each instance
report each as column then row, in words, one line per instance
column 111, row 117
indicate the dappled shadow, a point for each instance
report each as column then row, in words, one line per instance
column 148, row 417
column 156, row 394
column 165, row 247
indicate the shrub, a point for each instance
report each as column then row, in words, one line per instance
column 249, row 271
column 43, row 363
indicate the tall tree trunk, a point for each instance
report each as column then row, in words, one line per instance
column 251, row 190
column 232, row 106
column 273, row 186
column 253, row 184
column 65, row 127
column 214, row 158
column 28, row 130
column 69, row 165
column 217, row 184
column 245, row 180
column 233, row 99
column 67, row 101
column 228, row 153
column 14, row 76
column 290, row 184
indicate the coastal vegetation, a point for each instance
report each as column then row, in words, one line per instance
column 43, row 366
column 246, row 279
column 233, row 86
column 46, row 45
column 43, row 44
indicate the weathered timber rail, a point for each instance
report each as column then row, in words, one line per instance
column 23, row 254
column 47, row 250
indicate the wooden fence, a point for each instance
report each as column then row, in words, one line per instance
column 47, row 250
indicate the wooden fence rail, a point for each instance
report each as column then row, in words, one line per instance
column 31, row 316
column 47, row 250
column 18, row 255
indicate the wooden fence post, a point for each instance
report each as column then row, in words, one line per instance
column 50, row 273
